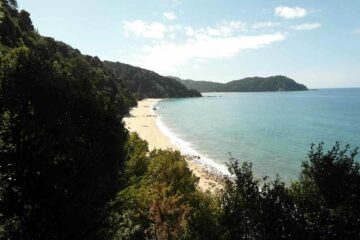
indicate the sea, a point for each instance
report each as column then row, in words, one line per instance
column 272, row 130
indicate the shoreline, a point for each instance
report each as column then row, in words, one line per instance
column 144, row 121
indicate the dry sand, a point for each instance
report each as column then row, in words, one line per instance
column 142, row 119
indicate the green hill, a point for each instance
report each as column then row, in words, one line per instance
column 148, row 84
column 201, row 86
column 17, row 31
column 251, row 84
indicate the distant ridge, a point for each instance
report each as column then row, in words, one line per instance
column 251, row 84
column 144, row 83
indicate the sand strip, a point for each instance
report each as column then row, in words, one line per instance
column 142, row 119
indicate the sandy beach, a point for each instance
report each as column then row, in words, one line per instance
column 142, row 119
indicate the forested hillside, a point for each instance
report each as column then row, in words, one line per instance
column 69, row 170
column 201, row 86
column 62, row 140
column 253, row 84
column 143, row 83
column 258, row 84
column 16, row 30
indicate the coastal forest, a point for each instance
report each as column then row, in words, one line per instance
column 70, row 170
column 250, row 84
column 143, row 83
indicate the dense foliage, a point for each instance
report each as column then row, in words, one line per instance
column 254, row 84
column 148, row 84
column 323, row 204
column 69, row 169
column 160, row 200
column 61, row 149
column 61, row 137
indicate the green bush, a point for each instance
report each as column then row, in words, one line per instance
column 161, row 200
column 323, row 204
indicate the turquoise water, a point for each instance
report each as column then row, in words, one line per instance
column 272, row 130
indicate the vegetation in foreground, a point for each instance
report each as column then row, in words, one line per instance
column 70, row 170
column 160, row 199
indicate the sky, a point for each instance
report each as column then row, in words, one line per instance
column 315, row 42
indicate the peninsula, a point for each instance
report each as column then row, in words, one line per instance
column 250, row 84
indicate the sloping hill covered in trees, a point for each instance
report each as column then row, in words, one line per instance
column 258, row 84
column 148, row 84
column 251, row 84
column 17, row 30
column 61, row 135
column 201, row 86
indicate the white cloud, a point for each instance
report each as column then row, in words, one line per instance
column 178, row 45
column 223, row 29
column 147, row 30
column 306, row 26
column 167, row 56
column 290, row 12
column 169, row 16
column 259, row 25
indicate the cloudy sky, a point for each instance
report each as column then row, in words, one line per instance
column 316, row 42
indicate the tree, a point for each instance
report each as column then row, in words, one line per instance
column 12, row 4
column 328, row 193
column 168, row 214
column 161, row 200
column 279, row 215
column 2, row 12
column 61, row 148
column 170, row 168
column 241, row 203
column 137, row 160
column 254, row 209
column 25, row 22
column 10, row 34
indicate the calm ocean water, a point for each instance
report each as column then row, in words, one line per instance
column 272, row 130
